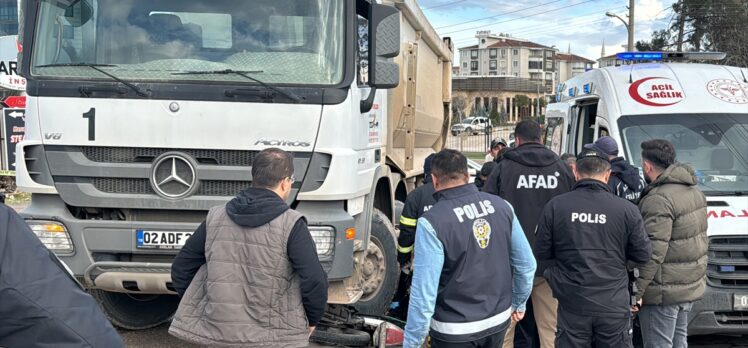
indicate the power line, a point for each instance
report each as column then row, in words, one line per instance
column 443, row 5
column 498, row 15
column 554, row 24
column 518, row 18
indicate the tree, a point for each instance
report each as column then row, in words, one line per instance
column 706, row 25
column 494, row 116
column 458, row 108
column 523, row 104
column 659, row 42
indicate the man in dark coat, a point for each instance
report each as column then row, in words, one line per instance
column 41, row 305
column 625, row 181
column 587, row 236
column 528, row 177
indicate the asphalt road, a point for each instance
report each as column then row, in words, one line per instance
column 159, row 337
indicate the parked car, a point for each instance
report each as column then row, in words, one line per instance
column 472, row 126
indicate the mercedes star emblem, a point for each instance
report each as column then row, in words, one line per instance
column 174, row 176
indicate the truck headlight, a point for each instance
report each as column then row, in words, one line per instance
column 324, row 239
column 53, row 235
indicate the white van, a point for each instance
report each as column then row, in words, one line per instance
column 703, row 110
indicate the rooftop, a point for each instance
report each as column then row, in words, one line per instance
column 573, row 58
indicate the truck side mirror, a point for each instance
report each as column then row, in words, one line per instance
column 384, row 43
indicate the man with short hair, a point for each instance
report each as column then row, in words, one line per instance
column 473, row 267
column 528, row 177
column 493, row 151
column 482, row 176
column 587, row 236
column 250, row 275
column 625, row 180
column 674, row 213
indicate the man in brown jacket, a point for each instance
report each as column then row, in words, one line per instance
column 249, row 276
column 674, row 213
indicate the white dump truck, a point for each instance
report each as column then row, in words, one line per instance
column 703, row 110
column 142, row 115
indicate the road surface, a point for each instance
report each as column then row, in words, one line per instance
column 159, row 337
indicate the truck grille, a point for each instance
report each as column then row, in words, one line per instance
column 143, row 186
column 146, row 155
column 728, row 261
column 732, row 318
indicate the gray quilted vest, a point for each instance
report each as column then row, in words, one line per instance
column 246, row 294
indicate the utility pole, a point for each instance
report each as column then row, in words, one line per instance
column 631, row 25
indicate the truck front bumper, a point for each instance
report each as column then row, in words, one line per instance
column 714, row 314
column 106, row 257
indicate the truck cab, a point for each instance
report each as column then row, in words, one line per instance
column 703, row 110
column 142, row 115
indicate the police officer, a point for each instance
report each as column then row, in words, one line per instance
column 528, row 177
column 588, row 236
column 625, row 180
column 417, row 203
column 471, row 251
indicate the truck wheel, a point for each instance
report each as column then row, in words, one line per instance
column 136, row 312
column 380, row 269
column 341, row 337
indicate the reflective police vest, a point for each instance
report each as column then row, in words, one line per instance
column 475, row 288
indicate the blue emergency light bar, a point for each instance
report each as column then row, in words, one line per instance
column 670, row 56
column 639, row 56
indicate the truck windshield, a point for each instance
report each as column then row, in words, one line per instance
column 715, row 145
column 280, row 41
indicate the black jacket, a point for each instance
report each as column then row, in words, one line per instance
column 625, row 181
column 255, row 207
column 528, row 177
column 588, row 236
column 418, row 202
column 41, row 305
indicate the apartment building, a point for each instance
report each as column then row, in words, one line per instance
column 571, row 65
column 503, row 55
column 611, row 60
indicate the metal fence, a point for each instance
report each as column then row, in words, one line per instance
column 464, row 142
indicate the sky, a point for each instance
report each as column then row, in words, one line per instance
column 577, row 24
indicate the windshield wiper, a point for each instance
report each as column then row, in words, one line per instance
column 245, row 74
column 139, row 91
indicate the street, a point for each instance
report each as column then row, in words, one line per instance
column 159, row 337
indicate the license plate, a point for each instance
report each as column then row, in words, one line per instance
column 161, row 239
column 741, row 302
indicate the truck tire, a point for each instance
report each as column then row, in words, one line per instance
column 380, row 268
column 136, row 312
column 341, row 337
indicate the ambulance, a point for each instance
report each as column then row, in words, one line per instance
column 703, row 110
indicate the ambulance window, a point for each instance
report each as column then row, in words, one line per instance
column 586, row 127
column 554, row 134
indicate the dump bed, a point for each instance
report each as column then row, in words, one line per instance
column 419, row 106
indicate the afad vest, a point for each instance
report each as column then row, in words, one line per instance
column 475, row 288
column 246, row 294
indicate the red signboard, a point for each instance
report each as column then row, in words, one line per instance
column 16, row 102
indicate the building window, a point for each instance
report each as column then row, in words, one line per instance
column 474, row 54
column 535, row 65
column 515, row 64
column 464, row 65
column 473, row 74
column 492, row 53
column 548, row 76
column 492, row 64
column 503, row 64
column 548, row 54
column 473, row 66
column 516, row 74
column 492, row 73
column 515, row 52
column 503, row 52
column 503, row 72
